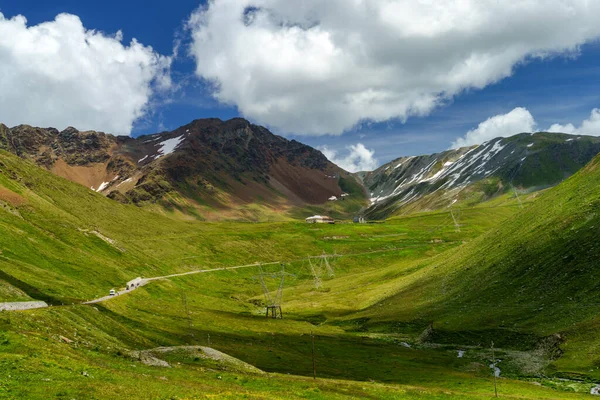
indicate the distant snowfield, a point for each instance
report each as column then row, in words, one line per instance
column 125, row 181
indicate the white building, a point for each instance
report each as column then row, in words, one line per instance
column 320, row 219
column 133, row 284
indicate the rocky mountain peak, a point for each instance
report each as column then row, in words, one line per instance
column 222, row 163
column 69, row 132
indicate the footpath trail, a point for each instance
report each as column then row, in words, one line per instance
column 200, row 271
column 30, row 305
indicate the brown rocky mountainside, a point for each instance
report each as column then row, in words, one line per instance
column 208, row 168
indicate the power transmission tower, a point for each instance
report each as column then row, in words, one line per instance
column 517, row 195
column 319, row 268
column 315, row 274
column 273, row 303
column 456, row 225
column 328, row 267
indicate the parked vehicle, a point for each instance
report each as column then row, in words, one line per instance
column 112, row 292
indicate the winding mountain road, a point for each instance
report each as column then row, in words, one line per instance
column 157, row 278
column 20, row 306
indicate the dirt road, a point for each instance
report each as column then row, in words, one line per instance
column 156, row 278
column 37, row 304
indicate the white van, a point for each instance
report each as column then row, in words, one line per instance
column 112, row 292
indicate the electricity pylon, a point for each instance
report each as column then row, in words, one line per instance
column 325, row 262
column 316, row 275
column 273, row 306
column 517, row 195
column 456, row 225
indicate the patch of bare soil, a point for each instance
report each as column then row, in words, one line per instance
column 336, row 237
column 11, row 197
column 92, row 175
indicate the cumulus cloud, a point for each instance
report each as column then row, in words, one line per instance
column 520, row 120
column 590, row 126
column 358, row 158
column 59, row 73
column 323, row 66
column 503, row 125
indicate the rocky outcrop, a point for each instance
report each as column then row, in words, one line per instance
column 22, row 305
column 46, row 145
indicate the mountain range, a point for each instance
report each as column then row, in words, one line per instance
column 213, row 170
column 206, row 169
column 523, row 163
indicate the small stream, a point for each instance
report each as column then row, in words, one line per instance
column 496, row 369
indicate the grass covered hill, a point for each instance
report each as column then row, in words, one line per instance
column 72, row 243
column 403, row 297
column 533, row 276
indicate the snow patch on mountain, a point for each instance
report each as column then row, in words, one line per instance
column 168, row 146
column 403, row 161
column 440, row 178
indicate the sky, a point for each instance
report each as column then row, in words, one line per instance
column 364, row 81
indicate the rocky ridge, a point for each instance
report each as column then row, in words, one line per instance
column 524, row 162
column 221, row 164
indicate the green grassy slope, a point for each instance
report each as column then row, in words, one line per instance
column 532, row 276
column 49, row 249
column 63, row 242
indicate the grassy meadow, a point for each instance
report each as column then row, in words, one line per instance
column 406, row 296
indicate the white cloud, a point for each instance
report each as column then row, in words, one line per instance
column 590, row 126
column 58, row 73
column 359, row 158
column 322, row 66
column 503, row 125
column 520, row 120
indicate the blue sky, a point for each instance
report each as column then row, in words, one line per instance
column 560, row 88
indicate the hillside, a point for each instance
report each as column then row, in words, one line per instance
column 467, row 176
column 531, row 279
column 208, row 169
column 64, row 244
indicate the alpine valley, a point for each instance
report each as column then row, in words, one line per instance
column 151, row 268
